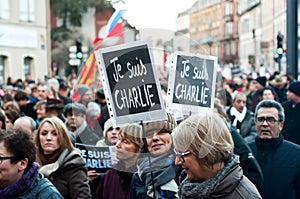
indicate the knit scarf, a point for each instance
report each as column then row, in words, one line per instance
column 202, row 190
column 21, row 185
column 161, row 174
column 238, row 116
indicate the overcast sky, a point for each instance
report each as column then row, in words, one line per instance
column 158, row 14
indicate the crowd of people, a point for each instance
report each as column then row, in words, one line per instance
column 248, row 147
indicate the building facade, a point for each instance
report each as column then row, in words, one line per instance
column 24, row 39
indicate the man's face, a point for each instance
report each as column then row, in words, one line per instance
column 87, row 97
column 267, row 124
column 239, row 103
column 42, row 92
column 75, row 119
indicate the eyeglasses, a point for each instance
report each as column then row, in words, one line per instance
column 181, row 155
column 5, row 158
column 270, row 120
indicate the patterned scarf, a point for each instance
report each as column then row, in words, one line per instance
column 161, row 174
column 21, row 185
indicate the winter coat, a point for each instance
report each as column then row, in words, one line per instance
column 280, row 162
column 41, row 188
column 69, row 175
column 229, row 183
column 291, row 125
column 247, row 128
column 116, row 183
column 84, row 135
column 31, row 185
column 248, row 162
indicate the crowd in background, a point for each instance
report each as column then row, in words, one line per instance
column 242, row 150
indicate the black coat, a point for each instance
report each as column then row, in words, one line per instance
column 248, row 162
column 280, row 163
column 291, row 126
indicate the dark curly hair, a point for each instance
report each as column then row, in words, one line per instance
column 19, row 144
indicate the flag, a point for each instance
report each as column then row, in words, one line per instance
column 114, row 35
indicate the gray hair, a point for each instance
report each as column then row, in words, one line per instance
column 238, row 94
column 28, row 119
column 271, row 104
column 207, row 136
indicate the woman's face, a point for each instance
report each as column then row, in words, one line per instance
column 9, row 173
column 48, row 139
column 113, row 135
column 126, row 149
column 8, row 123
column 192, row 168
column 159, row 142
column 41, row 111
column 268, row 95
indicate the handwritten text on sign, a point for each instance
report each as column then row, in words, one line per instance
column 193, row 81
column 131, row 80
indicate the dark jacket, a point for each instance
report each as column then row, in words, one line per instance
column 84, row 135
column 229, row 183
column 248, row 162
column 280, row 162
column 69, row 175
column 291, row 126
column 116, row 183
column 32, row 184
column 247, row 128
column 41, row 188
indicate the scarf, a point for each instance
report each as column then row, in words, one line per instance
column 21, row 185
column 202, row 190
column 238, row 116
column 161, row 174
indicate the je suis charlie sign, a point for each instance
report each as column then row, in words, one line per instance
column 130, row 83
column 192, row 81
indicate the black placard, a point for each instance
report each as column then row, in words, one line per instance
column 131, row 83
column 193, row 81
column 96, row 158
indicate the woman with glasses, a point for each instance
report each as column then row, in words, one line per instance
column 19, row 175
column 204, row 149
column 60, row 162
column 157, row 173
column 117, row 180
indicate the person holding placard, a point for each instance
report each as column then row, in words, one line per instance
column 60, row 162
column 158, row 169
column 116, row 182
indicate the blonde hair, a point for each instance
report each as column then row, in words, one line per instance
column 206, row 136
column 62, row 134
column 133, row 133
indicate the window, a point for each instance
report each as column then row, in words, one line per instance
column 228, row 8
column 27, row 65
column 2, row 67
column 4, row 9
column 27, row 10
column 228, row 28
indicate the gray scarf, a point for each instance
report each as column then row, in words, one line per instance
column 202, row 190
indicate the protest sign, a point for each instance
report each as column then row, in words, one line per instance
column 97, row 158
column 130, row 82
column 192, row 80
